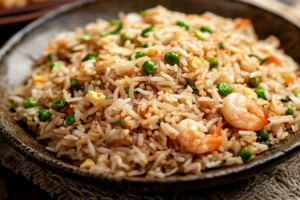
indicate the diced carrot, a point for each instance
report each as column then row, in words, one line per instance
column 273, row 59
column 242, row 22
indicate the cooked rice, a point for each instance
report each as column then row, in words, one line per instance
column 146, row 141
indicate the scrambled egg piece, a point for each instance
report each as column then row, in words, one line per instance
column 95, row 98
column 249, row 93
column 88, row 163
column 168, row 90
column 39, row 79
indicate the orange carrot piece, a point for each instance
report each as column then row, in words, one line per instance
column 242, row 22
column 273, row 59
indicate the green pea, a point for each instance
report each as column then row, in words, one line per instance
column 213, row 62
column 143, row 13
column 245, row 154
column 126, row 90
column 58, row 104
column 43, row 115
column 70, row 120
column 102, row 34
column 148, row 67
column 89, row 57
column 205, row 29
column 221, row 45
column 54, row 64
column 114, row 22
column 147, row 30
column 86, row 37
column 261, row 93
column 12, row 109
column 50, row 57
column 118, row 122
column 294, row 93
column 117, row 30
column 191, row 84
column 263, row 135
column 254, row 82
column 145, row 46
column 200, row 35
column 139, row 54
column 129, row 57
column 183, row 24
column 29, row 103
column 172, row 58
column 224, row 88
column 73, row 84
column 290, row 110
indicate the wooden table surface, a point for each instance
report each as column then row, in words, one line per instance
column 16, row 187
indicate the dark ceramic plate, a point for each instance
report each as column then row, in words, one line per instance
column 18, row 54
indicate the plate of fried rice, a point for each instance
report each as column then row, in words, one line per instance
column 154, row 94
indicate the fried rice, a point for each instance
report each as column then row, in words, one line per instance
column 92, row 100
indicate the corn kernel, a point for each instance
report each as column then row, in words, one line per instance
column 249, row 93
column 88, row 163
column 95, row 98
column 39, row 79
column 194, row 63
column 150, row 52
column 168, row 90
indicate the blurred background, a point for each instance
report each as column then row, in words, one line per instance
column 15, row 14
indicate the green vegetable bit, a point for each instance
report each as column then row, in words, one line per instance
column 129, row 57
column 205, row 29
column 126, row 90
column 261, row 61
column 86, row 37
column 114, row 22
column 43, row 115
column 147, row 30
column 118, row 122
column 268, row 142
column 117, row 30
column 221, row 45
column 224, row 88
column 148, row 67
column 245, row 154
column 172, row 58
column 102, row 34
column 73, row 84
column 261, row 93
column 58, row 104
column 143, row 13
column 183, row 24
column 89, row 57
column 287, row 99
column 295, row 93
column 139, row 54
column 12, row 109
column 54, row 64
column 191, row 84
column 70, row 120
column 263, row 135
column 254, row 82
column 145, row 46
column 126, row 36
column 200, row 35
column 213, row 62
column 290, row 110
column 50, row 57
column 158, row 122
column 29, row 103
column 218, row 166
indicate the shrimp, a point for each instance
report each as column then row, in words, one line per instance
column 193, row 139
column 243, row 113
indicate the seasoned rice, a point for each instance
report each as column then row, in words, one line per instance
column 129, row 123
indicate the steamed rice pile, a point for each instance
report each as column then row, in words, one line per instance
column 128, row 122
